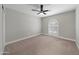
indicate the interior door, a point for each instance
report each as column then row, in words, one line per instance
column 1, row 29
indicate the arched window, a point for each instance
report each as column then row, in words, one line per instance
column 53, row 27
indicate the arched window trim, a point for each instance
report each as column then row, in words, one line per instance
column 53, row 27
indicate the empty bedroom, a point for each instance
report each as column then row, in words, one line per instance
column 40, row 29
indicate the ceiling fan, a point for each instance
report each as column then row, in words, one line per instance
column 41, row 10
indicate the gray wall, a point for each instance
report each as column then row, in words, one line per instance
column 66, row 24
column 0, row 29
column 19, row 25
column 77, row 26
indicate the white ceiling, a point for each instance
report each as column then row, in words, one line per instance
column 54, row 8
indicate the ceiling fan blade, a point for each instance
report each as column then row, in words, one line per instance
column 41, row 7
column 38, row 13
column 44, row 13
column 45, row 10
column 35, row 10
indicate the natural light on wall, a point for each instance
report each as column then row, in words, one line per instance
column 53, row 27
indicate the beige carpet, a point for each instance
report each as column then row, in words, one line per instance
column 43, row 45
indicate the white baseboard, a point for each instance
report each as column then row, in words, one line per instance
column 77, row 44
column 30, row 36
column 61, row 37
